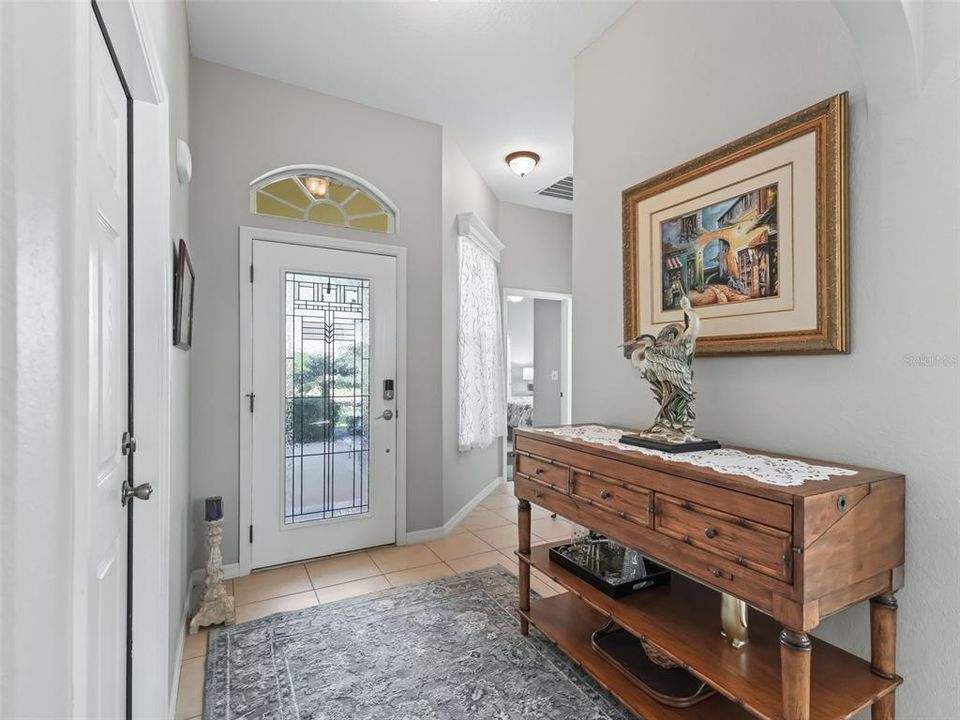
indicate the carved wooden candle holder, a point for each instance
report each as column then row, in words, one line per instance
column 216, row 606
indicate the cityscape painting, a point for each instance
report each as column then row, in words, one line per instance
column 753, row 233
column 726, row 252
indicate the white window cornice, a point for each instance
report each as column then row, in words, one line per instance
column 469, row 225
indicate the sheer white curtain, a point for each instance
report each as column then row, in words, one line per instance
column 483, row 402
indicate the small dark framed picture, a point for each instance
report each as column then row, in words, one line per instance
column 183, row 284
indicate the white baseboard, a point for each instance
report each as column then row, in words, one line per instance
column 181, row 640
column 415, row 537
column 422, row 536
column 471, row 505
column 229, row 572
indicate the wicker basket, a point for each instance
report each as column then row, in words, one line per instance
column 657, row 655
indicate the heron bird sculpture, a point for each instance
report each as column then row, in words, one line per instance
column 666, row 362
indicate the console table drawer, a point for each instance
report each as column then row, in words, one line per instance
column 548, row 472
column 757, row 547
column 538, row 493
column 612, row 495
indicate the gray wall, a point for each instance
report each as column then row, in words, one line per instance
column 643, row 107
column 243, row 125
column 537, row 252
column 547, row 346
column 464, row 474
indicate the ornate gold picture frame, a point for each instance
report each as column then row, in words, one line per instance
column 754, row 233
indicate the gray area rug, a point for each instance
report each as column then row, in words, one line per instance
column 449, row 649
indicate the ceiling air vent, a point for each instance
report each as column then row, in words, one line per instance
column 562, row 189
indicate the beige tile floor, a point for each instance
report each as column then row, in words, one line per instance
column 487, row 536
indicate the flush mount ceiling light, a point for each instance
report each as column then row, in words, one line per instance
column 522, row 162
column 316, row 186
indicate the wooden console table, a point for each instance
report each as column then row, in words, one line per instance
column 797, row 554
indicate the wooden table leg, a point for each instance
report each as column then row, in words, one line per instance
column 523, row 546
column 795, row 674
column 883, row 650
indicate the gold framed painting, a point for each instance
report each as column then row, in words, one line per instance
column 754, row 233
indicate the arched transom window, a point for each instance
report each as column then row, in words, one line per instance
column 321, row 194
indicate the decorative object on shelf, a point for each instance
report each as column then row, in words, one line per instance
column 522, row 162
column 762, row 468
column 666, row 362
column 754, row 233
column 579, row 535
column 216, row 606
column 733, row 620
column 649, row 667
column 183, row 284
column 610, row 567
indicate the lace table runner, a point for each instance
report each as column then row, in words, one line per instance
column 762, row 468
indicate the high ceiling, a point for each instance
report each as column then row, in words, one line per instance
column 497, row 75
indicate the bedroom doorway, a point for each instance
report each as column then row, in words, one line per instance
column 538, row 346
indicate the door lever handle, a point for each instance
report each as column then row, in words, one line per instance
column 385, row 415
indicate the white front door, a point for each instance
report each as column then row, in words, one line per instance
column 324, row 417
column 104, row 145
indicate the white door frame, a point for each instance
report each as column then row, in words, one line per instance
column 154, row 685
column 247, row 236
column 566, row 349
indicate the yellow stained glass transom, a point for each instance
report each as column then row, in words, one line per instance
column 376, row 222
column 342, row 205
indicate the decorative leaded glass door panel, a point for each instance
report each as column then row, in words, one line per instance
column 327, row 403
column 324, row 332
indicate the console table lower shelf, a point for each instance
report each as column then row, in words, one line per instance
column 682, row 619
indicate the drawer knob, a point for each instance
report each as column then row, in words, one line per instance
column 539, row 471
column 538, row 494
column 716, row 572
column 623, row 514
column 605, row 494
column 710, row 532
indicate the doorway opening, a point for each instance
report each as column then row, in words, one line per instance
column 537, row 325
